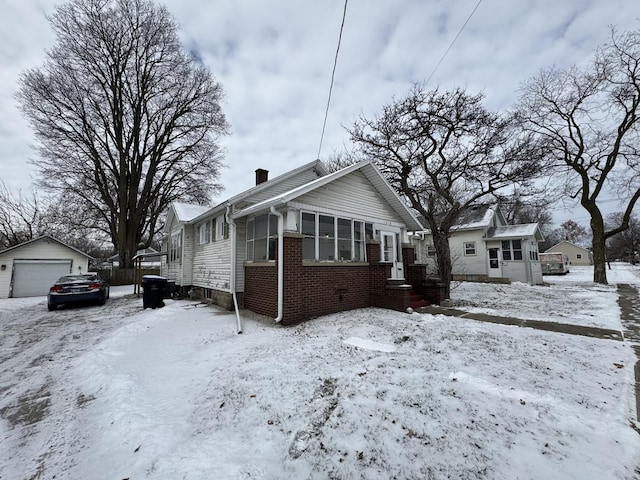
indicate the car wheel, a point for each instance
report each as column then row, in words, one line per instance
column 103, row 300
column 51, row 307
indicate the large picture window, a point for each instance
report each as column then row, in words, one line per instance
column 262, row 234
column 328, row 238
column 512, row 250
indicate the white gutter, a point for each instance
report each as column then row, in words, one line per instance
column 280, row 262
column 232, row 279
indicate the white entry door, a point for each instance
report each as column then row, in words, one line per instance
column 495, row 265
column 391, row 253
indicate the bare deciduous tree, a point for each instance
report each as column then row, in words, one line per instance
column 22, row 217
column 626, row 244
column 444, row 152
column 125, row 120
column 572, row 232
column 588, row 117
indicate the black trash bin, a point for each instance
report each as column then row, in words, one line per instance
column 153, row 291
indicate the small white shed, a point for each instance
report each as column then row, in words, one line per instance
column 29, row 269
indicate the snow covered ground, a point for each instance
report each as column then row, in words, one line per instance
column 118, row 392
column 571, row 298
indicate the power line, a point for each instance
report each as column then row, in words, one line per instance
column 335, row 63
column 453, row 41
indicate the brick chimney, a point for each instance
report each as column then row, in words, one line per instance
column 261, row 176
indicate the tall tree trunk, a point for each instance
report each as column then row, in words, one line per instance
column 443, row 253
column 599, row 248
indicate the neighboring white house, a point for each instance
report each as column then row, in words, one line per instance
column 484, row 248
column 29, row 269
column 577, row 255
column 301, row 245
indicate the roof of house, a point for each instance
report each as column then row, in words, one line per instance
column 185, row 212
column 515, row 231
column 148, row 252
column 478, row 216
column 371, row 173
column 565, row 242
column 189, row 213
column 475, row 217
column 43, row 237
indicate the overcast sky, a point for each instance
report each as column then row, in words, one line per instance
column 274, row 59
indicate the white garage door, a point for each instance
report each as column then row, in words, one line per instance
column 32, row 278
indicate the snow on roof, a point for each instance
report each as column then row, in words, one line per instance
column 188, row 211
column 475, row 217
column 510, row 231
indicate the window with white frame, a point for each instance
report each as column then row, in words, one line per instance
column 222, row 228
column 203, row 232
column 262, row 232
column 175, row 247
column 431, row 251
column 469, row 249
column 329, row 238
column 533, row 251
column 512, row 250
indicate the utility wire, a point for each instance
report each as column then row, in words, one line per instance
column 335, row 63
column 453, row 41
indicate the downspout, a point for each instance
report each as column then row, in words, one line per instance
column 280, row 262
column 232, row 275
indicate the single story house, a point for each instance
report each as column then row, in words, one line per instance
column 577, row 255
column 485, row 248
column 29, row 269
column 304, row 244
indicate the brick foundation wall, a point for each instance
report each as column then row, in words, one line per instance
column 316, row 289
column 261, row 289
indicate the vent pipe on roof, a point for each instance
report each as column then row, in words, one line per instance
column 262, row 176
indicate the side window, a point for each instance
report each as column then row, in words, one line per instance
column 506, row 250
column 345, row 238
column 469, row 248
column 517, row 249
column 176, row 247
column 326, row 236
column 262, row 234
column 308, row 229
column 512, row 249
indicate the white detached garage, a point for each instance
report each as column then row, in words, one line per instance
column 29, row 269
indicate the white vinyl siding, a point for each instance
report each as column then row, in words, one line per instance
column 211, row 265
column 463, row 263
column 354, row 196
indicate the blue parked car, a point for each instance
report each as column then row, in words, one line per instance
column 78, row 288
